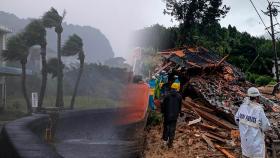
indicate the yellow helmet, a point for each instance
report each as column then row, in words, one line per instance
column 175, row 86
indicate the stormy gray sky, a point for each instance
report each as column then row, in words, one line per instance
column 117, row 18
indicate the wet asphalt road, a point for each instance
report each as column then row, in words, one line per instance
column 96, row 136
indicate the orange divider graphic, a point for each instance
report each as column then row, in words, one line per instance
column 135, row 99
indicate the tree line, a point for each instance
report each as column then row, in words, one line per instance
column 35, row 34
column 199, row 26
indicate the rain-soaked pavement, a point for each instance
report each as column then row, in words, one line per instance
column 96, row 135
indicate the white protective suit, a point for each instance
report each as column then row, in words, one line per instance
column 252, row 123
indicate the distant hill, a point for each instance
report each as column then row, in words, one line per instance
column 96, row 45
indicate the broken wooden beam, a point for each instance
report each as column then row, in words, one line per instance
column 209, row 127
column 208, row 141
column 220, row 62
column 216, row 137
column 189, row 101
column 193, row 64
column 163, row 67
column 216, row 120
column 224, row 151
column 194, row 121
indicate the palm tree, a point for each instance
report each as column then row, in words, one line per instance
column 52, row 19
column 17, row 50
column 52, row 65
column 35, row 33
column 73, row 46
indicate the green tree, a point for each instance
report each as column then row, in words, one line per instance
column 17, row 50
column 52, row 19
column 73, row 46
column 190, row 12
column 35, row 33
column 195, row 16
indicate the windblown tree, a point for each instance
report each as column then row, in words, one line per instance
column 74, row 46
column 17, row 50
column 52, row 19
column 35, row 34
column 52, row 65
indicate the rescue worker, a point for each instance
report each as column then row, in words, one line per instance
column 252, row 123
column 152, row 85
column 170, row 108
column 163, row 83
column 177, row 83
column 157, row 89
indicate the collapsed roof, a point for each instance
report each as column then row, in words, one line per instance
column 209, row 78
column 196, row 58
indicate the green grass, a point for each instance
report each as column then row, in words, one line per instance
column 9, row 115
column 16, row 107
column 83, row 102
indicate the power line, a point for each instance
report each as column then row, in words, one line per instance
column 277, row 23
column 276, row 20
column 258, row 13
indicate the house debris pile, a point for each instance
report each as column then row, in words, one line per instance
column 213, row 90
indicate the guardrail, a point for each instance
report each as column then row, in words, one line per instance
column 24, row 138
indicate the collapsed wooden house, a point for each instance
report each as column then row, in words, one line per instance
column 216, row 88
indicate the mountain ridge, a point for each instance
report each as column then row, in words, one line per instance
column 96, row 45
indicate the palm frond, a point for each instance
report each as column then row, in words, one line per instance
column 52, row 18
column 17, row 48
column 72, row 46
column 52, row 66
column 35, row 33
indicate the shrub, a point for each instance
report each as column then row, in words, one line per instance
column 263, row 80
column 251, row 77
column 260, row 80
column 273, row 82
column 16, row 105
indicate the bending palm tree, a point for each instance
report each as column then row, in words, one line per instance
column 17, row 50
column 73, row 46
column 53, row 19
column 35, row 34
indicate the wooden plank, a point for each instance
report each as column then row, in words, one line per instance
column 209, row 127
column 224, row 151
column 220, row 62
column 188, row 101
column 208, row 141
column 193, row 64
column 215, row 137
column 194, row 121
column 216, row 120
column 221, row 135
column 163, row 67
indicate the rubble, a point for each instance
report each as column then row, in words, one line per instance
column 192, row 141
column 213, row 90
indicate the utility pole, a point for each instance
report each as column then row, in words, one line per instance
column 273, row 42
column 272, row 11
